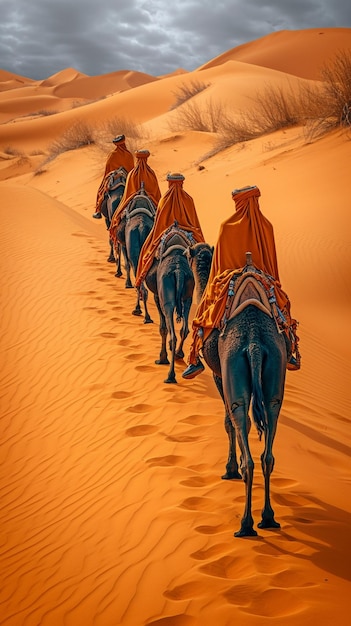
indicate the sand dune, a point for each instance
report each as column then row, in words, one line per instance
column 290, row 51
column 113, row 510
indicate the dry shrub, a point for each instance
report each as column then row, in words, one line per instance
column 186, row 91
column 12, row 151
column 192, row 116
column 317, row 107
column 46, row 112
column 333, row 102
column 74, row 137
column 134, row 132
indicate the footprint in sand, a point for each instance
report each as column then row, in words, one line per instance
column 93, row 263
column 166, row 461
column 124, row 342
column 140, row 408
column 187, row 591
column 204, row 555
column 79, row 235
column 103, row 280
column 199, row 420
column 213, row 530
column 120, row 394
column 141, row 430
column 227, row 567
column 291, row 578
column 273, row 603
column 199, row 481
column 144, row 368
column 182, row 438
column 240, row 595
column 133, row 357
column 108, row 335
column 198, row 504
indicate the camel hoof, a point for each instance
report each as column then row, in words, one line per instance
column 179, row 355
column 246, row 532
column 170, row 380
column 148, row 320
column 231, row 476
column 111, row 259
column 268, row 523
column 118, row 274
column 136, row 312
column 129, row 286
column 162, row 362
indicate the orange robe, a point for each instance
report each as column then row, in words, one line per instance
column 175, row 205
column 141, row 173
column 119, row 157
column 248, row 230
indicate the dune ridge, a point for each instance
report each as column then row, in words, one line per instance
column 113, row 508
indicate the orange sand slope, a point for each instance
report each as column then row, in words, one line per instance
column 113, row 510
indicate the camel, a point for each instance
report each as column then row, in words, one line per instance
column 248, row 358
column 172, row 281
column 135, row 225
column 200, row 257
column 114, row 192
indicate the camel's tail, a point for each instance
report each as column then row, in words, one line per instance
column 179, row 277
column 258, row 410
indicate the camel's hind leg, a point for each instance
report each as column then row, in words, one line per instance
column 117, row 255
column 163, row 360
column 143, row 295
column 267, row 462
column 169, row 317
column 184, row 331
column 231, row 468
column 236, row 383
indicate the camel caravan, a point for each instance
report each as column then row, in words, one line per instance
column 242, row 328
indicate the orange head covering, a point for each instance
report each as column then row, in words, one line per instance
column 248, row 230
column 141, row 173
column 175, row 205
column 119, row 157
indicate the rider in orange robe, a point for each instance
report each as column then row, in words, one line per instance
column 247, row 230
column 119, row 157
column 141, row 173
column 175, row 206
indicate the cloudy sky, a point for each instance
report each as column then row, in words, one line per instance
column 41, row 37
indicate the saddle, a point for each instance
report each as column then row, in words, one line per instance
column 116, row 179
column 252, row 286
column 174, row 238
column 140, row 203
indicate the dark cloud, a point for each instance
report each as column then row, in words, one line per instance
column 41, row 37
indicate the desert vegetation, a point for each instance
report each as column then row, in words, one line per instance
column 186, row 91
column 317, row 108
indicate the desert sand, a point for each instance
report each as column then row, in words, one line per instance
column 113, row 508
